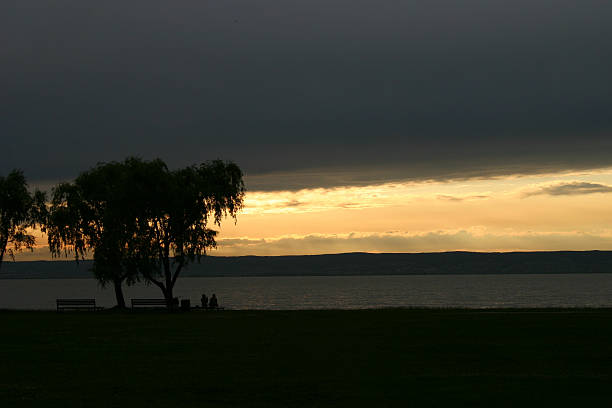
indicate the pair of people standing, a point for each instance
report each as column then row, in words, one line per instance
column 213, row 303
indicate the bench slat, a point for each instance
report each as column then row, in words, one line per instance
column 148, row 302
column 65, row 304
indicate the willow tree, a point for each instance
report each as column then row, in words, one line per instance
column 19, row 211
column 141, row 219
column 174, row 220
column 95, row 214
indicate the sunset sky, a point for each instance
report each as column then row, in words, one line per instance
column 372, row 126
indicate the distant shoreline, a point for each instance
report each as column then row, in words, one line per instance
column 352, row 264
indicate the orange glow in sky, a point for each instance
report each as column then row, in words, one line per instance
column 569, row 211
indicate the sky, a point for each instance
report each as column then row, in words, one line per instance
column 380, row 126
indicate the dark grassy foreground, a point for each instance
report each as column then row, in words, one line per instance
column 325, row 358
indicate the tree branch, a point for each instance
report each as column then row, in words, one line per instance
column 176, row 273
column 156, row 282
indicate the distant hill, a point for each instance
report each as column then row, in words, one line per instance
column 353, row 264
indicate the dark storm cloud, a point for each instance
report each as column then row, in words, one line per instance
column 305, row 94
column 574, row 188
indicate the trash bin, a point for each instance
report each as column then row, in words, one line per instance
column 185, row 304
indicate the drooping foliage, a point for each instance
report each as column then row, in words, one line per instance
column 96, row 213
column 174, row 224
column 19, row 211
column 142, row 220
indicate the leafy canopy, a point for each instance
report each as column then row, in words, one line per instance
column 142, row 219
column 97, row 213
column 19, row 210
column 174, row 222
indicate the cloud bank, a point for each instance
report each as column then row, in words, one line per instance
column 435, row 241
column 570, row 188
column 307, row 94
column 399, row 242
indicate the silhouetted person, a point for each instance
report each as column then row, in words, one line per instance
column 213, row 304
column 204, row 301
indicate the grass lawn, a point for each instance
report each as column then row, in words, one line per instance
column 375, row 358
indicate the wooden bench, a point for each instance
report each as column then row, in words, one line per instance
column 76, row 304
column 148, row 303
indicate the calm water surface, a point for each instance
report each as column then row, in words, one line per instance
column 338, row 292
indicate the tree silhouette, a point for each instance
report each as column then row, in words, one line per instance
column 94, row 213
column 173, row 220
column 19, row 210
column 142, row 220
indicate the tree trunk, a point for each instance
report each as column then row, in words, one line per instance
column 119, row 294
column 169, row 298
column 2, row 251
column 168, row 275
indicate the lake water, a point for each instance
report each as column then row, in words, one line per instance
column 338, row 292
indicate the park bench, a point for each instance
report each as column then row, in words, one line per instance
column 148, row 303
column 76, row 304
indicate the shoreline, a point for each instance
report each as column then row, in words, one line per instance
column 354, row 264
